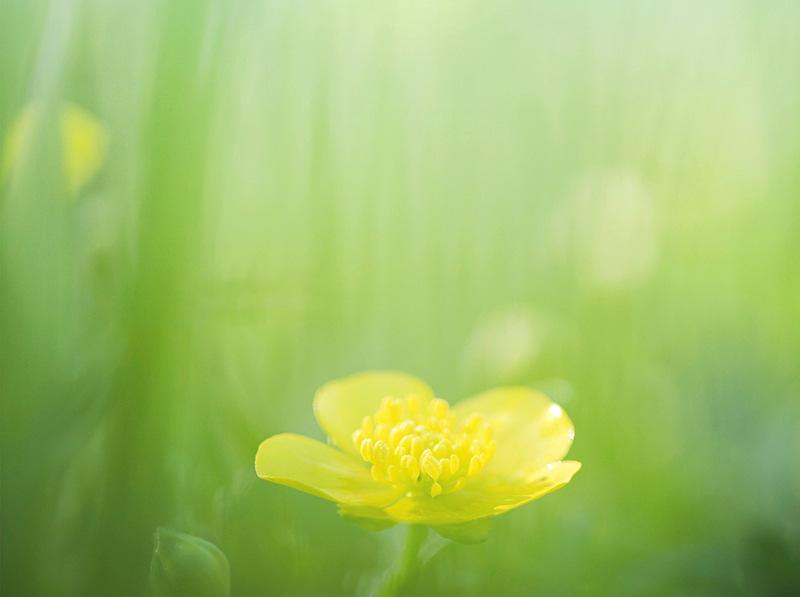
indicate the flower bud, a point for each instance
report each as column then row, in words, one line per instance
column 184, row 565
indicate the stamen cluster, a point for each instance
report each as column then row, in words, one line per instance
column 422, row 447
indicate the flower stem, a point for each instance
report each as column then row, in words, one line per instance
column 407, row 565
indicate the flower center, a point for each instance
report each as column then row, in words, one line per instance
column 422, row 447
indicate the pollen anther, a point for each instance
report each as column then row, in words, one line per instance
column 475, row 466
column 366, row 449
column 421, row 446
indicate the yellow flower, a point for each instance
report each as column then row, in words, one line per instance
column 82, row 138
column 403, row 455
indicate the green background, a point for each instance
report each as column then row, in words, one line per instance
column 598, row 199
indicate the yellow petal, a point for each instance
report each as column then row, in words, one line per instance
column 490, row 497
column 530, row 429
column 311, row 466
column 341, row 405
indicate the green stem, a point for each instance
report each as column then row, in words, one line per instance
column 407, row 565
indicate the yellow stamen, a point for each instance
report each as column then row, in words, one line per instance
column 442, row 449
column 382, row 431
column 367, row 425
column 416, row 446
column 440, row 408
column 380, row 452
column 473, row 422
column 412, row 466
column 475, row 466
column 358, row 437
column 430, row 465
column 366, row 449
column 422, row 447
column 405, row 443
column 394, row 473
column 446, row 472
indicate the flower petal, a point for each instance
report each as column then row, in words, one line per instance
column 530, row 429
column 489, row 497
column 342, row 404
column 311, row 466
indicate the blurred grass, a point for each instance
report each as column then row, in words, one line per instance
column 601, row 200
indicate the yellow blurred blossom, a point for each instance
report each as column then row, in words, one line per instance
column 82, row 138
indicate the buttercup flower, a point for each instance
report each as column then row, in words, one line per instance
column 82, row 138
column 401, row 455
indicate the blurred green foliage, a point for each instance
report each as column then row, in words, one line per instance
column 601, row 200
